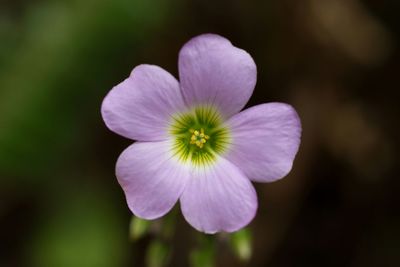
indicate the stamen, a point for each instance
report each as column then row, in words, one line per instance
column 199, row 135
column 198, row 138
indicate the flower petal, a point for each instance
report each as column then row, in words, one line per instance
column 139, row 108
column 213, row 71
column 151, row 178
column 218, row 198
column 265, row 140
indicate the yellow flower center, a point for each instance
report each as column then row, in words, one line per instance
column 199, row 135
column 198, row 138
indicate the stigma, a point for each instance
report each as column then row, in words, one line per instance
column 198, row 138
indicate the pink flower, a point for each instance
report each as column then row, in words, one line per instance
column 193, row 144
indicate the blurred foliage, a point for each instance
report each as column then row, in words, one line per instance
column 241, row 242
column 157, row 254
column 56, row 76
column 79, row 231
column 138, row 228
column 204, row 254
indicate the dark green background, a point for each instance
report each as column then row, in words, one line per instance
column 335, row 61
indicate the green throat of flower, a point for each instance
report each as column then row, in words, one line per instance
column 199, row 135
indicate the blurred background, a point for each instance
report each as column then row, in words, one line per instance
column 336, row 61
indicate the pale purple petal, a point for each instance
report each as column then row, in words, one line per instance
column 265, row 140
column 213, row 71
column 140, row 107
column 218, row 198
column 151, row 178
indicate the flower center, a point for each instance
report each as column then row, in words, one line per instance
column 199, row 135
column 198, row 138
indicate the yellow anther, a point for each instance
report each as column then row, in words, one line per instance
column 198, row 138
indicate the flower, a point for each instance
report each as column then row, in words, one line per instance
column 193, row 145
